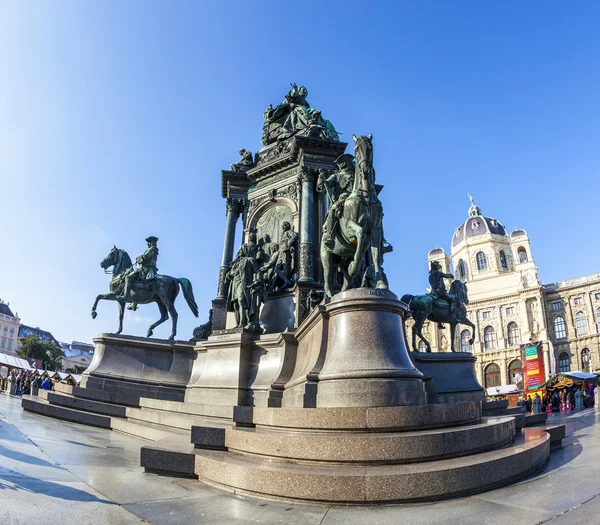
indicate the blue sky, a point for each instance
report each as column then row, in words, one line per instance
column 117, row 117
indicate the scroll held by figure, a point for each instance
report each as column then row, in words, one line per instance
column 142, row 284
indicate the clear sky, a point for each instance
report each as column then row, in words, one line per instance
column 116, row 118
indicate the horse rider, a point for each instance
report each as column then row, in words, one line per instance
column 146, row 269
column 438, row 288
column 342, row 183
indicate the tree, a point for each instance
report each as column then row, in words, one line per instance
column 50, row 354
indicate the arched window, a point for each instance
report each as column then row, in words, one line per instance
column 515, row 373
column 581, row 323
column 492, row 375
column 462, row 270
column 489, row 338
column 522, row 254
column 560, row 328
column 482, row 264
column 513, row 334
column 465, row 336
column 422, row 346
column 585, row 360
column 503, row 260
column 564, row 362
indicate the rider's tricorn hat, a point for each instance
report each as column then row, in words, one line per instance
column 346, row 158
column 152, row 239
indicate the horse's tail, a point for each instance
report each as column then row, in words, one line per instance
column 188, row 293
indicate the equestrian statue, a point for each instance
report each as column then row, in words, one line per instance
column 142, row 284
column 439, row 306
column 354, row 221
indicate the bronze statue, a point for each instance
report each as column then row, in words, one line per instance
column 438, row 287
column 151, row 288
column 295, row 116
column 246, row 288
column 281, row 263
column 338, row 186
column 245, row 163
column 144, row 271
column 438, row 310
column 359, row 226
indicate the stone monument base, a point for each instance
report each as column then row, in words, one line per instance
column 360, row 455
column 142, row 367
column 352, row 353
column 452, row 376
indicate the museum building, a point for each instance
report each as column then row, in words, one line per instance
column 509, row 306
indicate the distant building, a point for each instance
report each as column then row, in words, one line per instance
column 509, row 306
column 9, row 330
column 78, row 356
column 42, row 335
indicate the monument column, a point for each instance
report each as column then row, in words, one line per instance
column 234, row 208
column 307, row 247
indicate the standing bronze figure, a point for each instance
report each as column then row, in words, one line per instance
column 358, row 225
column 159, row 289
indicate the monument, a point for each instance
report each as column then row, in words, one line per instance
column 300, row 385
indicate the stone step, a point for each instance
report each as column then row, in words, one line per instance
column 352, row 484
column 509, row 411
column 43, row 407
column 85, row 405
column 536, row 419
column 172, row 419
column 361, row 419
column 188, row 408
column 149, row 431
column 374, row 447
column 169, row 459
column 116, row 398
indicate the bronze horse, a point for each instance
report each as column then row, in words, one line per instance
column 359, row 228
column 423, row 307
column 162, row 290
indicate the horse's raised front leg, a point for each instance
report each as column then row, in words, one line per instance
column 163, row 317
column 121, row 314
column 103, row 296
column 464, row 320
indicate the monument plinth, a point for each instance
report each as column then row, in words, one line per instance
column 358, row 357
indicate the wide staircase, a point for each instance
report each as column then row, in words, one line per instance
column 151, row 419
column 343, row 455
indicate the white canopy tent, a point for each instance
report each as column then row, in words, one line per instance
column 503, row 390
column 14, row 362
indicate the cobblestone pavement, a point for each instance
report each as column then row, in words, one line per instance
column 58, row 471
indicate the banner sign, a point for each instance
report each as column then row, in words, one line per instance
column 532, row 358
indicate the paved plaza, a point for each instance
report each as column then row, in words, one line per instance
column 54, row 470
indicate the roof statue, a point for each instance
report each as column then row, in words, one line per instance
column 474, row 210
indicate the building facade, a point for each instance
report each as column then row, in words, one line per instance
column 78, row 356
column 9, row 330
column 509, row 306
